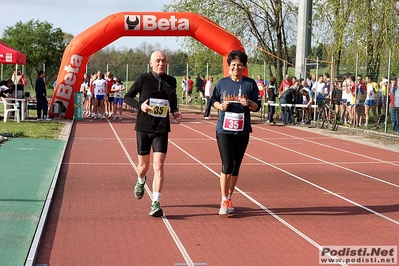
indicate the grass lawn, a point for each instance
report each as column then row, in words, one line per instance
column 31, row 128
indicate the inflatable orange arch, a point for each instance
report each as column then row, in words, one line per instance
column 111, row 28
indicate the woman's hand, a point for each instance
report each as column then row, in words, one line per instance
column 245, row 102
column 224, row 106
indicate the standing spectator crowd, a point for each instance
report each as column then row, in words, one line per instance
column 103, row 96
column 357, row 102
column 354, row 99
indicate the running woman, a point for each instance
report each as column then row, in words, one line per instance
column 235, row 96
column 157, row 95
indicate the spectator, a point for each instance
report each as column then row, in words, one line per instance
column 308, row 100
column 208, row 95
column 109, row 98
column 311, row 81
column 382, row 99
column 190, row 85
column 285, row 85
column 184, row 88
column 91, row 93
column 99, row 90
column 17, row 77
column 203, row 88
column 337, row 96
column 302, row 98
column 271, row 99
column 344, row 101
column 371, row 101
column 85, row 89
column 117, row 90
column 320, row 89
column 394, row 105
column 6, row 87
column 41, row 97
column 361, row 97
column 199, row 83
column 288, row 97
column 261, row 86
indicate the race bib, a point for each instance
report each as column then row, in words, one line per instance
column 233, row 121
column 160, row 107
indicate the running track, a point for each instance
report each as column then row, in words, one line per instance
column 298, row 191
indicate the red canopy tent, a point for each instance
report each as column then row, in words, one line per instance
column 9, row 55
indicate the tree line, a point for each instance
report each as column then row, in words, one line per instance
column 340, row 30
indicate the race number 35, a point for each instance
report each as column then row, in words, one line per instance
column 233, row 121
column 160, row 107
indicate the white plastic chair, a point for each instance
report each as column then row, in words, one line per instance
column 10, row 107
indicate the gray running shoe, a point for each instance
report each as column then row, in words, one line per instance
column 139, row 189
column 224, row 207
column 156, row 210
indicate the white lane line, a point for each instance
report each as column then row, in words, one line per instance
column 284, row 222
column 306, row 181
column 327, row 162
column 318, row 159
column 328, row 191
column 330, row 147
column 172, row 232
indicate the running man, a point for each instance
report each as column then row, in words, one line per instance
column 157, row 94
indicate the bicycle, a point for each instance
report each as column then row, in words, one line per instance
column 326, row 117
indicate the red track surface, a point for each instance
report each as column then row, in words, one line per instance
column 298, row 191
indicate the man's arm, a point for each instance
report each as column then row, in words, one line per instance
column 130, row 96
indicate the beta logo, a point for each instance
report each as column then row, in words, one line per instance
column 151, row 22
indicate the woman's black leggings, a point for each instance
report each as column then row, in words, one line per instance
column 232, row 149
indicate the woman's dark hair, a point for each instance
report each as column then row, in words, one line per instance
column 272, row 80
column 237, row 54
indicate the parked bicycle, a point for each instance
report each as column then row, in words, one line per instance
column 326, row 117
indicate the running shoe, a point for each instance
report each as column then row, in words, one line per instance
column 139, row 189
column 115, row 117
column 230, row 208
column 120, row 118
column 156, row 210
column 223, row 207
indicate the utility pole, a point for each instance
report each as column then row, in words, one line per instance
column 304, row 37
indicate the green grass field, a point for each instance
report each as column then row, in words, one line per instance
column 33, row 129
column 30, row 128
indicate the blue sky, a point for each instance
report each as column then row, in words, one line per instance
column 76, row 16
